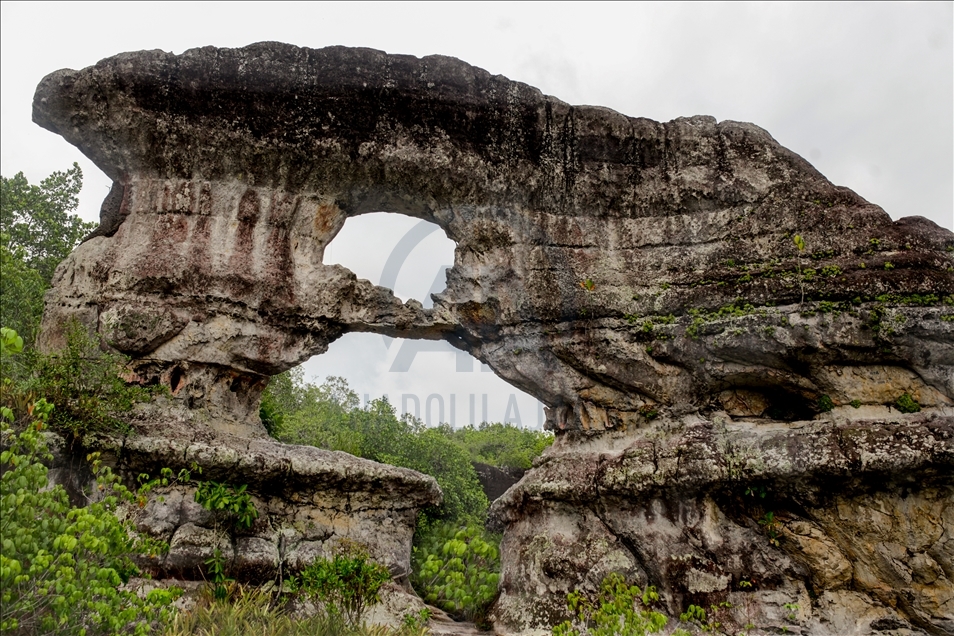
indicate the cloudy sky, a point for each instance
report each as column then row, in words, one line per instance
column 863, row 91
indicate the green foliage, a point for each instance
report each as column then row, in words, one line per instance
column 61, row 567
column 772, row 526
column 792, row 608
column 457, row 568
column 21, row 295
column 618, row 608
column 36, row 220
column 235, row 503
column 856, row 403
column 84, row 383
column 346, row 586
column 501, row 445
column 907, row 404
column 706, row 621
column 415, row 623
column 825, row 404
column 232, row 508
column 329, row 416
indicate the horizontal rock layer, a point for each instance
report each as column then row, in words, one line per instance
column 310, row 502
column 850, row 520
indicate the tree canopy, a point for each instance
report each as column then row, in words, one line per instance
column 38, row 229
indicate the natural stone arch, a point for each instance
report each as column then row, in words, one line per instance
column 572, row 223
column 616, row 268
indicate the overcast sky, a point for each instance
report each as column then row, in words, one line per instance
column 863, row 91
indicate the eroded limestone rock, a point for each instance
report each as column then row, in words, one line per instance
column 309, row 501
column 642, row 279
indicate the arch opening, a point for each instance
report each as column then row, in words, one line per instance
column 409, row 256
column 436, row 383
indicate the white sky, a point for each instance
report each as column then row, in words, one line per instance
column 863, row 91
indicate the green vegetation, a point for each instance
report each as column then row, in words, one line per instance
column 618, row 608
column 232, row 508
column 825, row 404
column 501, row 445
column 455, row 561
column 85, row 384
column 907, row 404
column 61, row 567
column 330, row 416
column 37, row 231
column 265, row 613
column 345, row 586
column 457, row 569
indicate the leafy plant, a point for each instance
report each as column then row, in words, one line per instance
column 232, row 508
column 772, row 527
column 83, row 382
column 907, row 404
column 347, row 585
column 456, row 568
column 62, row 567
column 234, row 502
column 825, row 404
column 618, row 608
column 856, row 403
column 792, row 608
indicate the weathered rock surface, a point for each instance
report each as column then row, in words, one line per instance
column 308, row 500
column 757, row 514
column 642, row 279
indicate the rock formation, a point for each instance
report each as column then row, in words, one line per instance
column 721, row 336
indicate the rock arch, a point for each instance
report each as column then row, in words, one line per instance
column 642, row 279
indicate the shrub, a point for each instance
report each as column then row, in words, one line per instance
column 255, row 611
column 84, row 383
column 907, row 404
column 456, row 568
column 347, row 585
column 61, row 567
column 825, row 404
column 618, row 608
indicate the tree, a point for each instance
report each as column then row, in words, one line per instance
column 37, row 230
column 37, row 220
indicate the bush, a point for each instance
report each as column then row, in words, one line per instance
column 254, row 611
column 61, row 567
column 457, row 568
column 618, row 608
column 83, row 382
column 347, row 585
column 907, row 404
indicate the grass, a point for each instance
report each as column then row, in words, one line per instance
column 253, row 611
